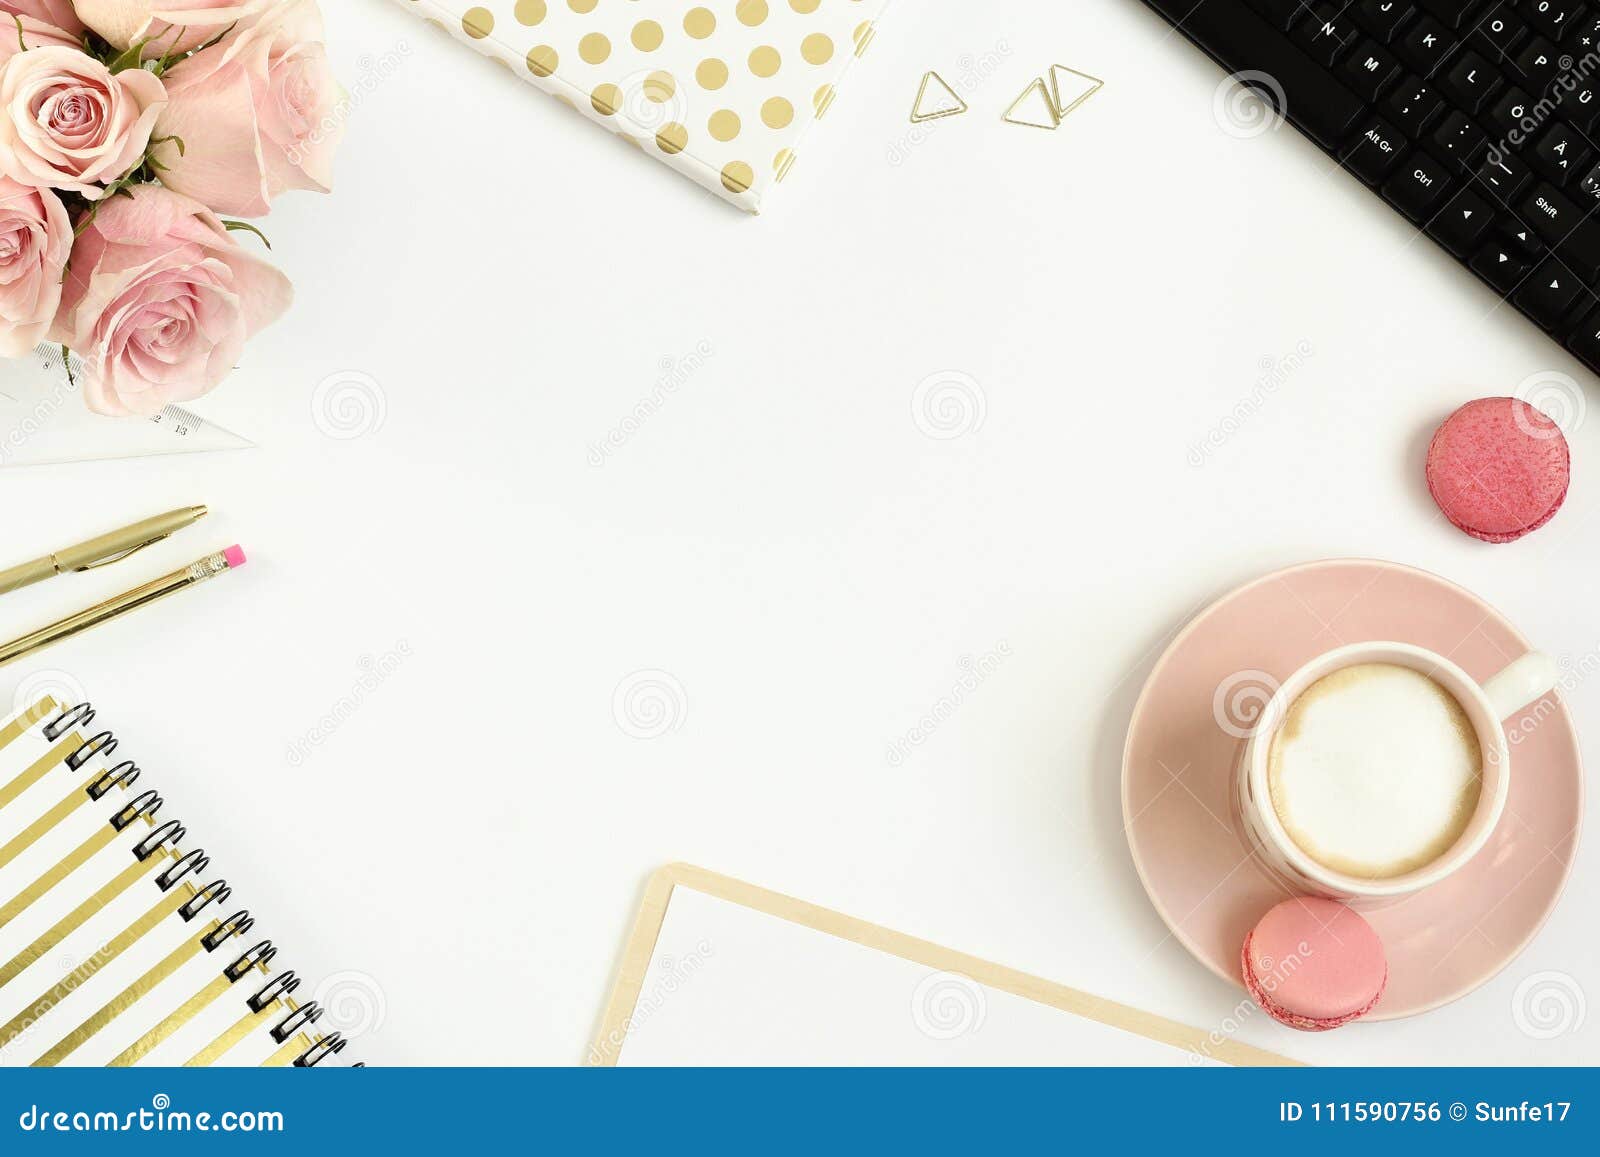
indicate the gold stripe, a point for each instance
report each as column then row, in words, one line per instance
column 104, row 956
column 74, row 919
column 295, row 1046
column 183, row 1015
column 125, row 999
column 70, row 863
column 76, row 798
column 241, row 1029
column 63, row 748
column 26, row 720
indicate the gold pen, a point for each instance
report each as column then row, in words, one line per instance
column 100, row 551
column 196, row 572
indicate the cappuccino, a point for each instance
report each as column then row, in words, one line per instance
column 1375, row 771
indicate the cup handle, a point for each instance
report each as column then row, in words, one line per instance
column 1531, row 677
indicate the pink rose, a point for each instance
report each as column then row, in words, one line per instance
column 35, row 239
column 66, row 122
column 36, row 33
column 168, row 25
column 256, row 114
column 56, row 13
column 160, row 300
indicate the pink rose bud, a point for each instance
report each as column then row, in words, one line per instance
column 166, row 25
column 66, row 122
column 257, row 114
column 35, row 239
column 160, row 300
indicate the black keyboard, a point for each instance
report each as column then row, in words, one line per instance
column 1477, row 119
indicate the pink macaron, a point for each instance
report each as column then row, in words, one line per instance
column 1314, row 964
column 1498, row 468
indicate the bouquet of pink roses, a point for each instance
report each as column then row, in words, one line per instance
column 126, row 128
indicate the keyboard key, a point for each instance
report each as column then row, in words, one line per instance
column 1548, row 293
column 1471, row 80
column 1413, row 105
column 1319, row 105
column 1506, row 114
column 1560, row 154
column 1522, row 239
column 1326, row 33
column 1498, row 31
column 1580, row 103
column 1561, row 225
column 1461, row 224
column 1502, row 267
column 1281, row 14
column 1374, row 151
column 1451, row 13
column 1590, row 185
column 1537, row 65
column 1370, row 71
column 1586, row 36
column 1503, row 176
column 1383, row 18
column 1417, row 186
column 1426, row 46
column 1553, row 17
column 1460, row 140
column 1585, row 340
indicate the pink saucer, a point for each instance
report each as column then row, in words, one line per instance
column 1185, row 837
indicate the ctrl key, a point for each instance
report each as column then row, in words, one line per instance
column 1416, row 186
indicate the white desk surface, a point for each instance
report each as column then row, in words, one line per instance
column 782, row 537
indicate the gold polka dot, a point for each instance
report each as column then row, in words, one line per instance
column 582, row 5
column 765, row 61
column 724, row 124
column 782, row 162
column 594, row 48
column 804, row 6
column 777, row 113
column 822, row 98
column 699, row 23
column 606, row 99
column 672, row 138
column 863, row 36
column 737, row 177
column 477, row 22
column 530, row 12
column 712, row 74
column 751, row 12
column 817, row 48
column 659, row 87
column 543, row 60
column 647, row 36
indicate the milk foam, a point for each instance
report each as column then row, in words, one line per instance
column 1375, row 771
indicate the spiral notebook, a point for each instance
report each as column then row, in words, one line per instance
column 118, row 945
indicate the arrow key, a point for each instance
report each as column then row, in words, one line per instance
column 1461, row 223
column 1501, row 266
column 1548, row 293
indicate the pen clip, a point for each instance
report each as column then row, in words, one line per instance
column 120, row 555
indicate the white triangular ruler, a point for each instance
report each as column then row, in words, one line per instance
column 936, row 99
column 43, row 420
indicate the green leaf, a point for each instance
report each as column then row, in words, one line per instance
column 234, row 226
column 23, row 43
column 131, row 57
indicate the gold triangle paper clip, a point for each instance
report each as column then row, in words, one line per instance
column 942, row 109
column 1095, row 84
column 1015, row 116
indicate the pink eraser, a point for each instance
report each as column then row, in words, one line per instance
column 234, row 556
column 1498, row 468
column 1314, row 964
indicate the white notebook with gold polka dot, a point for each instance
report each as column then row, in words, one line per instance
column 721, row 90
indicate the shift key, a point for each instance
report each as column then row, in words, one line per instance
column 1565, row 228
